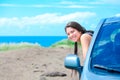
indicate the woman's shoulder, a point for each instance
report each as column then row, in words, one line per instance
column 90, row 32
column 85, row 36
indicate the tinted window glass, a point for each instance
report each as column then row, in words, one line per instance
column 106, row 51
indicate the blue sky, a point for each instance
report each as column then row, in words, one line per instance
column 48, row 17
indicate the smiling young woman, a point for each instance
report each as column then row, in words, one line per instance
column 78, row 34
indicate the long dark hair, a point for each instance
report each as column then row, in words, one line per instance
column 75, row 48
column 76, row 26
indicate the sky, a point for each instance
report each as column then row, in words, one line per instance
column 49, row 17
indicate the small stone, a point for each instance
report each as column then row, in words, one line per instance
column 54, row 74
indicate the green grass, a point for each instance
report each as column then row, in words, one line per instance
column 64, row 43
column 12, row 46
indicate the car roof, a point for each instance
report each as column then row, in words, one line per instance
column 112, row 19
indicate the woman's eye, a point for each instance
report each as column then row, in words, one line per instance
column 72, row 31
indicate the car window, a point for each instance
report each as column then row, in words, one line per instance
column 106, row 50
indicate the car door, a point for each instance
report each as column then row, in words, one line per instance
column 103, row 57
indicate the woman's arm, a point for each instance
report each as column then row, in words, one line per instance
column 85, row 42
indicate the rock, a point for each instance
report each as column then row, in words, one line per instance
column 54, row 74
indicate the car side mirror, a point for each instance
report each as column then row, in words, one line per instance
column 72, row 61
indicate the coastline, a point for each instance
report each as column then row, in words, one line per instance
column 44, row 41
column 11, row 46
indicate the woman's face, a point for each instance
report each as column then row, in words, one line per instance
column 73, row 34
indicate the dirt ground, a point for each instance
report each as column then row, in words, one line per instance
column 31, row 63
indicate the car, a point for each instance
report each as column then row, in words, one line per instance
column 103, row 57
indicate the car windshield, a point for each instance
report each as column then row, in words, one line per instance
column 106, row 50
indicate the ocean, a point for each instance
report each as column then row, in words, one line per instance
column 44, row 41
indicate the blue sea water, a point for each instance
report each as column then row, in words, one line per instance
column 44, row 41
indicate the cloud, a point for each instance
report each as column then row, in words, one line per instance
column 64, row 4
column 85, row 2
column 46, row 19
column 8, row 5
column 111, row 1
column 105, row 2
column 25, row 5
column 67, row 2
column 78, row 6
column 117, row 15
column 46, row 6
